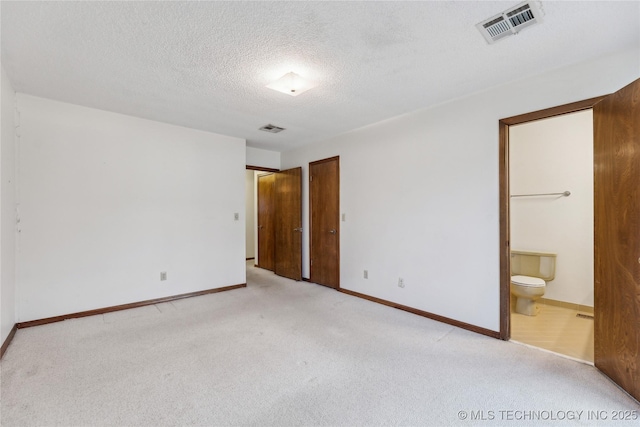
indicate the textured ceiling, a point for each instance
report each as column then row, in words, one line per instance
column 205, row 65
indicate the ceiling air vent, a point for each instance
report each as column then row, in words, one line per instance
column 271, row 128
column 510, row 22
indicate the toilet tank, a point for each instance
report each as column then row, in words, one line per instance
column 534, row 264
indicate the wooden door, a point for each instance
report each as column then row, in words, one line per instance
column 266, row 224
column 288, row 223
column 324, row 206
column 616, row 122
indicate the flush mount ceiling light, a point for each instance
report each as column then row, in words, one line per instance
column 291, row 84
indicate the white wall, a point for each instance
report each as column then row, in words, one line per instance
column 263, row 158
column 7, row 211
column 109, row 201
column 420, row 192
column 550, row 156
column 250, row 235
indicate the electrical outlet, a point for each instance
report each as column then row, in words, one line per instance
column 236, row 216
column 366, row 274
column 401, row 282
column 163, row 275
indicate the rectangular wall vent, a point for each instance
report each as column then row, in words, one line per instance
column 510, row 22
column 584, row 316
column 271, row 128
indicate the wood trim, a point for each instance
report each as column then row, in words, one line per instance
column 104, row 310
column 553, row 111
column 261, row 169
column 452, row 322
column 304, row 279
column 339, row 226
column 6, row 342
column 569, row 305
column 330, row 159
column 504, row 199
column 505, row 248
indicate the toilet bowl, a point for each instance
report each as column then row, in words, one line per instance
column 530, row 273
column 527, row 290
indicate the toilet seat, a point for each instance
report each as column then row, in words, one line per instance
column 531, row 282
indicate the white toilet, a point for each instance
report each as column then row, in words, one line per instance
column 530, row 272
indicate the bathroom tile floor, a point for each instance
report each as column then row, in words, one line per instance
column 557, row 329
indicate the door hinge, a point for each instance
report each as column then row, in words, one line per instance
column 310, row 262
column 310, row 178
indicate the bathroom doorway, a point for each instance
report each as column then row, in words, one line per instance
column 551, row 212
column 616, row 199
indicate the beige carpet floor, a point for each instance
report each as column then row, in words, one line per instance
column 286, row 353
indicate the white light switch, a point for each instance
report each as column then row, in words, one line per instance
column 236, row 216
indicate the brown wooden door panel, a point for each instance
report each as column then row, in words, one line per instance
column 324, row 207
column 616, row 122
column 288, row 223
column 266, row 224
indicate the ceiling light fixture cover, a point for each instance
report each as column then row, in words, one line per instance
column 291, row 84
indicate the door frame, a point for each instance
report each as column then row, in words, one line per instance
column 255, row 197
column 504, row 199
column 259, row 239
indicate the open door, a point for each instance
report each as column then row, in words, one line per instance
column 266, row 218
column 288, row 223
column 616, row 122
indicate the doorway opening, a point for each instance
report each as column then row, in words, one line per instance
column 505, row 198
column 551, row 230
column 252, row 246
column 277, row 220
column 616, row 200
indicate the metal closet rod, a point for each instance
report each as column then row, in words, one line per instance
column 564, row 193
